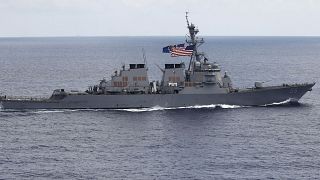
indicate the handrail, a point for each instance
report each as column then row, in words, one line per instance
column 35, row 98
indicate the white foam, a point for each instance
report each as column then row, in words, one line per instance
column 155, row 108
column 48, row 111
column 159, row 108
column 281, row 103
column 226, row 106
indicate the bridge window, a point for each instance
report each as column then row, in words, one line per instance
column 132, row 66
column 169, row 66
column 140, row 66
column 177, row 65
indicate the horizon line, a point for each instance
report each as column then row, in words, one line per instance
column 117, row 36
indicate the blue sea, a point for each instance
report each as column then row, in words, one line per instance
column 201, row 142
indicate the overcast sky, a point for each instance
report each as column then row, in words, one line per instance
column 159, row 17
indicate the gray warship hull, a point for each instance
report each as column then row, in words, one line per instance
column 245, row 97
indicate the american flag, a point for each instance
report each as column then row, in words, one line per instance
column 179, row 50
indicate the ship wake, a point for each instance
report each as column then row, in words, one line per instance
column 159, row 108
column 288, row 102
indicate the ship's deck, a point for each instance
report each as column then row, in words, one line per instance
column 273, row 87
column 23, row 98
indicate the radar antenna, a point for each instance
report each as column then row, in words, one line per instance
column 187, row 18
column 193, row 40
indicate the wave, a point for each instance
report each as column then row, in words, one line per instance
column 43, row 111
column 159, row 108
column 49, row 111
column 289, row 101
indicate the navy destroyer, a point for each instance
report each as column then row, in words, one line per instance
column 201, row 82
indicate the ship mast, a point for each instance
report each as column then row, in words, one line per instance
column 196, row 42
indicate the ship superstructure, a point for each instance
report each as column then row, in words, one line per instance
column 199, row 77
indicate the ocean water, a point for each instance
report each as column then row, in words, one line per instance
column 201, row 142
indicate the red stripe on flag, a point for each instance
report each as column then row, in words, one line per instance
column 181, row 52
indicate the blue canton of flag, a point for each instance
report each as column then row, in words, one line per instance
column 166, row 49
column 180, row 46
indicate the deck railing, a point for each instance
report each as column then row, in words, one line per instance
column 23, row 98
